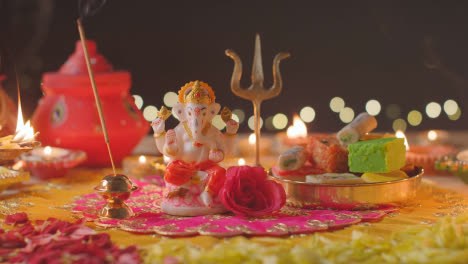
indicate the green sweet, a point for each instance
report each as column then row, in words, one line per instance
column 378, row 155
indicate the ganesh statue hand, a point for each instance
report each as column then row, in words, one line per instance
column 195, row 147
column 232, row 126
column 158, row 126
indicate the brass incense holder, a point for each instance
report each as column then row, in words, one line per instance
column 361, row 196
column 116, row 189
column 256, row 92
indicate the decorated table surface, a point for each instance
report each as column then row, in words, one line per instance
column 344, row 197
column 58, row 197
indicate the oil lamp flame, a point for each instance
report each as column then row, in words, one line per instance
column 24, row 132
column 47, row 151
column 252, row 139
column 298, row 129
column 400, row 134
column 432, row 135
column 20, row 122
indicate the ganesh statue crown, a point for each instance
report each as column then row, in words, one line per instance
column 195, row 147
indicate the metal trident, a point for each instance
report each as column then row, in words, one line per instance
column 256, row 92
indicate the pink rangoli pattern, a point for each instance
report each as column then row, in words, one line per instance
column 148, row 217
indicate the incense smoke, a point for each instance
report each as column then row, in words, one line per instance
column 89, row 8
column 432, row 61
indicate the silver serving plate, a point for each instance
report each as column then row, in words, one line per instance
column 362, row 196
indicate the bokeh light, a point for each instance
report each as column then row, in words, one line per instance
column 433, row 110
column 235, row 118
column 432, row 135
column 218, row 122
column 415, row 118
column 337, row 104
column 393, row 111
column 252, row 139
column 138, row 101
column 347, row 115
column 280, row 121
column 307, row 114
column 170, row 99
column 399, row 124
column 150, row 112
column 455, row 116
column 450, row 107
column 373, row 107
column 240, row 114
column 251, row 122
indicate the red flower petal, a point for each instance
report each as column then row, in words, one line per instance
column 15, row 219
column 55, row 241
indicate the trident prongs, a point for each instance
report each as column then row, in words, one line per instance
column 256, row 92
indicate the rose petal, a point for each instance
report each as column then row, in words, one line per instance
column 54, row 241
column 17, row 218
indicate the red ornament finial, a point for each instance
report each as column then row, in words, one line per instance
column 76, row 63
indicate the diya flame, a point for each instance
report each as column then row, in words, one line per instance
column 24, row 132
column 400, row 134
column 298, row 129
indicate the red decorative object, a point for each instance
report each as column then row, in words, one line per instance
column 67, row 116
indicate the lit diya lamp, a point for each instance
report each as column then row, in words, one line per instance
column 425, row 155
column 22, row 141
column 230, row 162
column 247, row 146
column 143, row 165
column 295, row 135
column 52, row 162
column 433, row 137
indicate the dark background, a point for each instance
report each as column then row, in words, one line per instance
column 407, row 53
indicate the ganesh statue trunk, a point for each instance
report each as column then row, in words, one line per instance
column 67, row 116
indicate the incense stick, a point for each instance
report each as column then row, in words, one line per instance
column 96, row 95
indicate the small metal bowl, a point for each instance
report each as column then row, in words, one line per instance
column 457, row 164
column 362, row 196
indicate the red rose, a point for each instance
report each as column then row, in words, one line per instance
column 247, row 191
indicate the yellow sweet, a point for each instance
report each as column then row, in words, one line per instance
column 379, row 155
column 384, row 177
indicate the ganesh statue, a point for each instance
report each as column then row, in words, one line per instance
column 195, row 147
